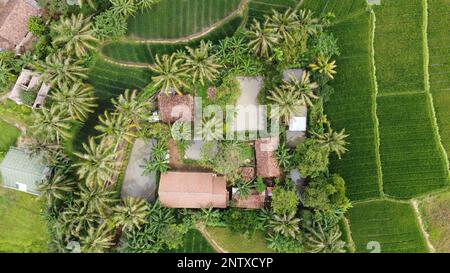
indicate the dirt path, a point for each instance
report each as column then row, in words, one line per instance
column 415, row 205
column 212, row 242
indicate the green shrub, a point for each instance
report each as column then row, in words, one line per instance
column 36, row 25
column 242, row 221
column 28, row 97
column 284, row 201
column 313, row 159
column 108, row 25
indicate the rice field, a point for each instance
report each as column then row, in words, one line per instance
column 439, row 65
column 258, row 8
column 398, row 45
column 412, row 161
column 343, row 9
column 352, row 106
column 179, row 18
column 129, row 51
column 391, row 225
column 194, row 242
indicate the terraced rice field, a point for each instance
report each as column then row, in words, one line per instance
column 132, row 52
column 439, row 65
column 391, row 224
column 412, row 161
column 163, row 21
column 343, row 9
column 399, row 46
column 352, row 107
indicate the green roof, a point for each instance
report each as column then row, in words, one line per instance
column 19, row 167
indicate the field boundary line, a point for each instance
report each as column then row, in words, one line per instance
column 426, row 62
column 419, row 219
column 201, row 227
column 122, row 64
column 238, row 12
column 376, row 122
column 351, row 243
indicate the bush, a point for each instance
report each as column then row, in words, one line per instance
column 36, row 25
column 284, row 201
column 28, row 97
column 108, row 25
column 313, row 158
column 242, row 221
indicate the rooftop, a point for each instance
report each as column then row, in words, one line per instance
column 266, row 163
column 174, row 107
column 254, row 200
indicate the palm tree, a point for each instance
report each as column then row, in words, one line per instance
column 156, row 164
column 333, row 141
column 146, row 4
column 286, row 224
column 284, row 156
column 59, row 69
column 124, row 8
column 308, row 23
column 77, row 219
column 97, row 240
column 262, row 39
column 97, row 198
column 200, row 65
column 212, row 129
column 324, row 66
column 132, row 214
column 134, row 109
column 78, row 99
column 114, row 128
column 170, row 74
column 56, row 187
column 320, row 241
column 288, row 102
column 283, row 23
column 97, row 164
column 243, row 189
column 76, row 34
column 303, row 87
column 52, row 124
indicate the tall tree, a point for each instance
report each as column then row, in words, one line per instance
column 60, row 69
column 170, row 74
column 324, row 66
column 303, row 87
column 200, row 65
column 56, row 187
column 78, row 99
column 53, row 124
column 97, row 198
column 134, row 109
column 114, row 128
column 132, row 214
column 332, row 140
column 320, row 241
column 288, row 102
column 97, row 164
column 97, row 239
column 262, row 39
column 286, row 224
column 285, row 24
column 124, row 7
column 76, row 34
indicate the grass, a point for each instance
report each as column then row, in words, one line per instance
column 393, row 225
column 343, row 9
column 352, row 107
column 435, row 213
column 194, row 242
column 179, row 18
column 238, row 243
column 439, row 66
column 259, row 8
column 22, row 227
column 8, row 137
column 129, row 51
column 399, row 46
column 412, row 161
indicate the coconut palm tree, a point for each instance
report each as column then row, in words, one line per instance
column 320, row 241
column 124, row 8
column 132, row 214
column 52, row 124
column 262, row 39
column 212, row 128
column 283, row 23
column 170, row 74
column 97, row 239
column 76, row 219
column 78, row 99
column 284, row 156
column 286, row 225
column 308, row 23
column 288, row 102
column 333, row 141
column 146, row 4
column 114, row 128
column 243, row 189
column 59, row 69
column 324, row 66
column 133, row 108
column 97, row 198
column 76, row 34
column 56, row 187
column 97, row 163
column 156, row 164
column 200, row 65
column 303, row 87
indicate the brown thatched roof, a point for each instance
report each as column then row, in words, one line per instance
column 266, row 163
column 173, row 107
column 247, row 173
column 192, row 190
column 14, row 22
column 255, row 200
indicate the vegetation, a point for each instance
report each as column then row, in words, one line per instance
column 435, row 211
column 238, row 243
column 8, row 137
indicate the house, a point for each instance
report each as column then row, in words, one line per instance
column 137, row 184
column 192, row 190
column 173, row 107
column 29, row 81
column 21, row 172
column 254, row 200
column 266, row 163
column 14, row 15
